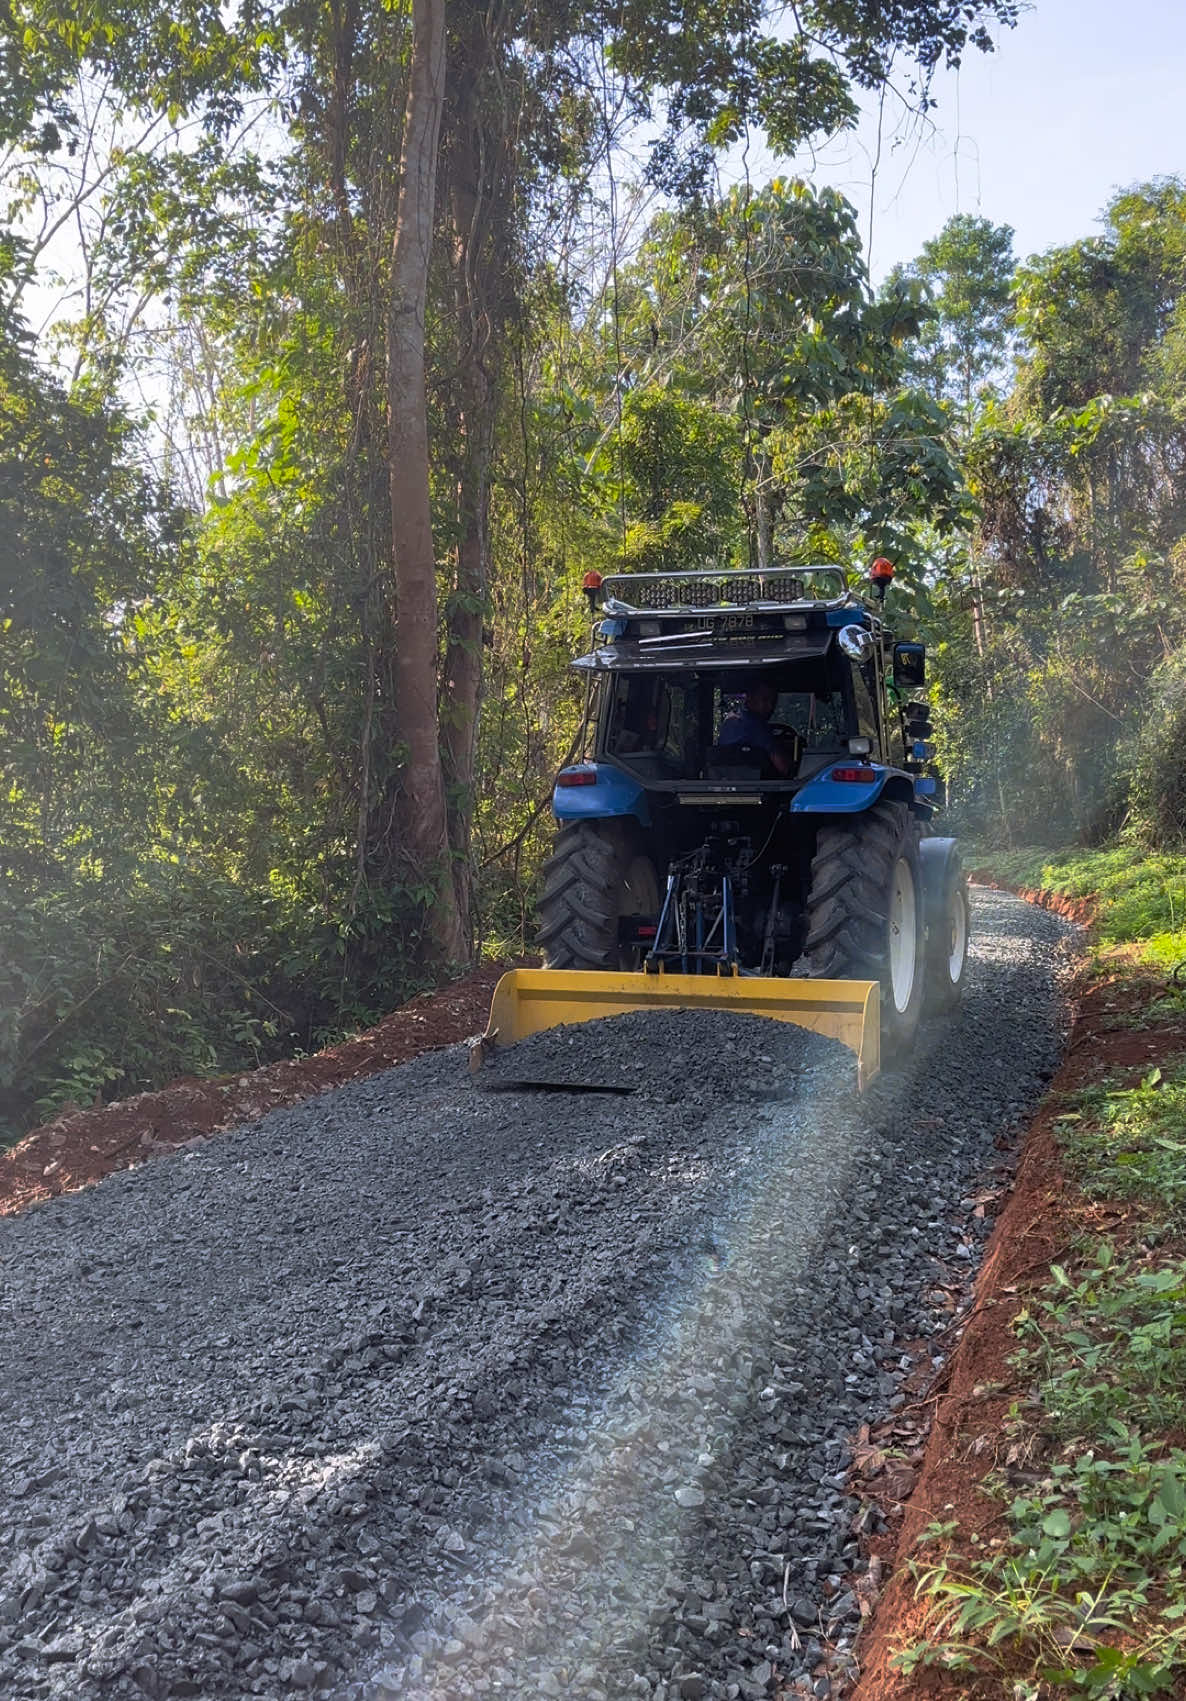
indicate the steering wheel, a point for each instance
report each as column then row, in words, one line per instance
column 788, row 742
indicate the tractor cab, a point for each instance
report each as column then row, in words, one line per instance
column 700, row 683
column 777, row 725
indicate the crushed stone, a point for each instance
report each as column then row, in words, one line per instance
column 416, row 1389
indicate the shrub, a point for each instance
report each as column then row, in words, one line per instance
column 1158, row 758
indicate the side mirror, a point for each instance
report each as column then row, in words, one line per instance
column 910, row 666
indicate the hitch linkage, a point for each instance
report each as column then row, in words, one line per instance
column 697, row 928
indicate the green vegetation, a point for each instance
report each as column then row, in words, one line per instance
column 1089, row 1593
column 1088, row 1601
column 1129, row 1141
column 375, row 330
column 1138, row 897
column 1057, row 626
column 1106, row 1345
column 1086, row 1596
column 381, row 329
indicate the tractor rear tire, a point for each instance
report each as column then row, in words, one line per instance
column 865, row 915
column 597, row 874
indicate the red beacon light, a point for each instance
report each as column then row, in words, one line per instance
column 591, row 585
column 881, row 573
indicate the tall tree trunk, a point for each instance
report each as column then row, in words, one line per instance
column 462, row 683
column 421, row 816
column 765, row 532
column 978, row 621
column 478, row 236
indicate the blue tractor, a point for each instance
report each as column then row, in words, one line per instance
column 752, row 824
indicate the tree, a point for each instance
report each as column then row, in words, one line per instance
column 1079, row 478
column 363, row 312
column 422, row 815
column 762, row 378
column 966, row 273
column 1103, row 316
column 719, row 68
column 965, row 279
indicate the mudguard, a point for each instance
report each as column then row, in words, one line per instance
column 607, row 795
column 936, row 856
column 822, row 795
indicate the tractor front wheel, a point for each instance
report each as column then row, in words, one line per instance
column 947, row 937
column 597, row 876
column 865, row 914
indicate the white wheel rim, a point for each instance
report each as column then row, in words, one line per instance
column 903, row 935
column 957, row 939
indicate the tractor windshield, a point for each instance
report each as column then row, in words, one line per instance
column 676, row 726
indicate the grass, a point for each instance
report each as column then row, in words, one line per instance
column 1139, row 896
column 1128, row 1142
column 1084, row 1596
column 1105, row 1344
column 1088, row 1592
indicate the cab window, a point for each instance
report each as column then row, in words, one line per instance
column 653, row 725
column 863, row 698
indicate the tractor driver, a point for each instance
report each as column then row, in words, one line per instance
column 751, row 725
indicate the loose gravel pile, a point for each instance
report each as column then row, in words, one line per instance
column 671, row 1055
column 421, row 1390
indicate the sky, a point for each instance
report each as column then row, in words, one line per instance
column 1082, row 98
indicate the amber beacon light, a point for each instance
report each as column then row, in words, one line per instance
column 881, row 574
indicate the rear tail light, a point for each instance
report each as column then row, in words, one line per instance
column 577, row 777
column 855, row 776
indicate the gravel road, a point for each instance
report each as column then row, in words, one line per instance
column 422, row 1390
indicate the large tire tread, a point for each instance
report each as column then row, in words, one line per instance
column 581, row 897
column 851, row 874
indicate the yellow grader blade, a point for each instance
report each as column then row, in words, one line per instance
column 528, row 1001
